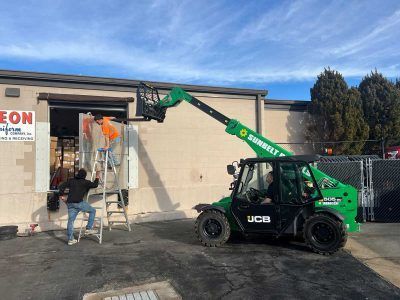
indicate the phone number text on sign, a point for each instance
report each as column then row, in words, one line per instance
column 17, row 126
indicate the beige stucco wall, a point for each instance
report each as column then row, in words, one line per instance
column 285, row 126
column 182, row 161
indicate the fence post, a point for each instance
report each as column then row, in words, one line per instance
column 363, row 191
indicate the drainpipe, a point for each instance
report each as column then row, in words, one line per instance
column 259, row 113
column 259, row 129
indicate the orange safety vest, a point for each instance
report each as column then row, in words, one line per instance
column 109, row 129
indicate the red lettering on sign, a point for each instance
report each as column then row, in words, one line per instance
column 26, row 118
column 14, row 117
column 3, row 117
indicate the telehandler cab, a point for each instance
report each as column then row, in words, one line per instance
column 297, row 199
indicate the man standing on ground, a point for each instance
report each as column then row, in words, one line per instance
column 111, row 135
column 78, row 187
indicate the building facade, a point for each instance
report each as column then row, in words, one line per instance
column 172, row 166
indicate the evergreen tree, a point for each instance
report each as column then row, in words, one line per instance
column 398, row 83
column 336, row 114
column 353, row 119
column 381, row 105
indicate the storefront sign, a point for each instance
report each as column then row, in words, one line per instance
column 17, row 126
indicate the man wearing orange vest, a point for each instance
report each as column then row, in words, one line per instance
column 111, row 135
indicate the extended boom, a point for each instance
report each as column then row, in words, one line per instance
column 337, row 195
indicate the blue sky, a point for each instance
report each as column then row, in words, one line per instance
column 280, row 46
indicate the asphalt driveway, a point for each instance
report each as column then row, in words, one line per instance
column 44, row 267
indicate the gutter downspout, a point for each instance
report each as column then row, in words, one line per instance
column 260, row 113
column 259, row 128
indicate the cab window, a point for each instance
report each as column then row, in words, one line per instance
column 253, row 182
column 297, row 185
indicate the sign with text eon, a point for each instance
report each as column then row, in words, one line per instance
column 17, row 126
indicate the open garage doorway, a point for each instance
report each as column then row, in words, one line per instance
column 65, row 147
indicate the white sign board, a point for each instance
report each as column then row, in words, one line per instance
column 17, row 126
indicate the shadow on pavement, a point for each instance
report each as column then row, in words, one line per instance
column 183, row 232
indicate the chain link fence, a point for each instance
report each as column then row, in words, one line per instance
column 348, row 172
column 375, row 179
column 386, row 181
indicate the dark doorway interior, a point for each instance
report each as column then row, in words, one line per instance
column 64, row 118
column 64, row 132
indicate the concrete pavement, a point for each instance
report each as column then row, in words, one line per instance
column 378, row 246
column 44, row 267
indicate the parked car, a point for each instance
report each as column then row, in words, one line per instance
column 392, row 152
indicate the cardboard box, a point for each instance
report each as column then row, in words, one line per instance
column 68, row 142
column 64, row 174
column 53, row 142
column 53, row 157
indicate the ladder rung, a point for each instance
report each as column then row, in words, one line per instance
column 95, row 218
column 111, row 222
column 95, row 194
column 107, row 192
column 104, row 164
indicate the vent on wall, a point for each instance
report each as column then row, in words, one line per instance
column 12, row 92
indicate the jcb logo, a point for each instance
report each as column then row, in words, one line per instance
column 259, row 219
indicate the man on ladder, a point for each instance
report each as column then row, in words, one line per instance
column 105, row 161
column 111, row 135
column 78, row 187
column 102, row 159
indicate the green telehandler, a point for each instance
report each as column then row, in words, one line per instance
column 276, row 194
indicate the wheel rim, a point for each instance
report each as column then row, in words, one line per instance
column 212, row 228
column 323, row 234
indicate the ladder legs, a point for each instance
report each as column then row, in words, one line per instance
column 102, row 161
column 120, row 202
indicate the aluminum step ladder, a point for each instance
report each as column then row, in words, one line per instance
column 103, row 161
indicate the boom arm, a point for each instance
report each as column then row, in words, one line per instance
column 336, row 194
column 177, row 95
column 262, row 146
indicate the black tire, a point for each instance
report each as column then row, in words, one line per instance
column 212, row 228
column 8, row 230
column 8, row 236
column 324, row 234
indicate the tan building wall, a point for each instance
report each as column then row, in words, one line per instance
column 19, row 203
column 283, row 125
column 182, row 162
